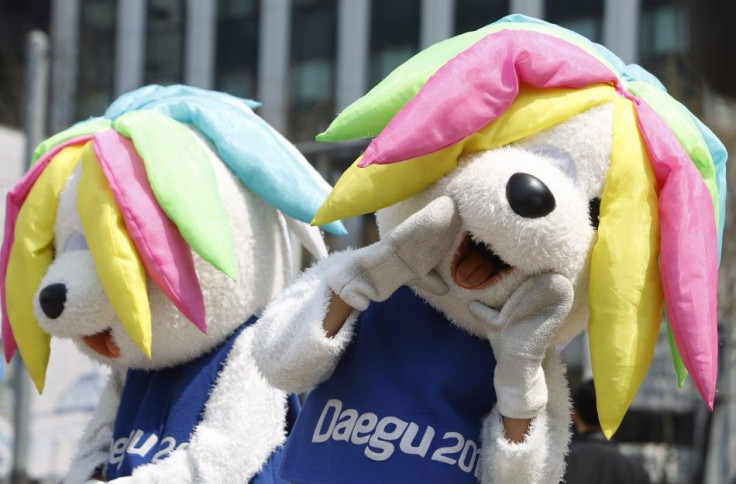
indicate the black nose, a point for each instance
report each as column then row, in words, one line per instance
column 52, row 299
column 529, row 196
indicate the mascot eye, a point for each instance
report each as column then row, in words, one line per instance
column 558, row 158
column 76, row 241
column 594, row 210
column 529, row 196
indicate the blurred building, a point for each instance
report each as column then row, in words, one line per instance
column 60, row 414
column 304, row 60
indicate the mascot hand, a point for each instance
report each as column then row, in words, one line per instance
column 520, row 334
column 406, row 255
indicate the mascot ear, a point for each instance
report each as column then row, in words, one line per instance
column 309, row 236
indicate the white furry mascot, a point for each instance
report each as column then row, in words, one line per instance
column 152, row 238
column 430, row 355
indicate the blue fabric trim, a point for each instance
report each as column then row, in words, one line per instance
column 720, row 156
column 143, row 96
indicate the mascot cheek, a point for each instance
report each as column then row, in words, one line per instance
column 70, row 301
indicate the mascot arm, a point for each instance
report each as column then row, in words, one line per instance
column 530, row 383
column 304, row 331
column 540, row 457
column 291, row 347
column 243, row 422
column 95, row 443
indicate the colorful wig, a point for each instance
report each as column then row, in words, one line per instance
column 662, row 207
column 147, row 197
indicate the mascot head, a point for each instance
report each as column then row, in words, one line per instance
column 148, row 235
column 560, row 158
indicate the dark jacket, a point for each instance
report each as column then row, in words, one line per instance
column 592, row 459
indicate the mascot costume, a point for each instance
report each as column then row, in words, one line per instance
column 527, row 184
column 152, row 237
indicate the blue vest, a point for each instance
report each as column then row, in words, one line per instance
column 405, row 403
column 159, row 410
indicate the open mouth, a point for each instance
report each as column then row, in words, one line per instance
column 103, row 343
column 476, row 266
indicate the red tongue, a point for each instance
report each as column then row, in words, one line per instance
column 470, row 269
column 103, row 343
column 473, row 270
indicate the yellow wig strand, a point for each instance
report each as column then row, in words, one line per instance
column 121, row 271
column 625, row 290
column 30, row 257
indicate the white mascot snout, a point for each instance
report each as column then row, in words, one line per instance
column 152, row 238
column 522, row 177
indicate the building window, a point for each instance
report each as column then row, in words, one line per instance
column 237, row 47
column 662, row 29
column 165, row 41
column 312, row 69
column 582, row 16
column 95, row 76
column 474, row 14
column 394, row 35
column 663, row 49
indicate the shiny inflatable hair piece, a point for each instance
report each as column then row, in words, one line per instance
column 519, row 76
column 136, row 207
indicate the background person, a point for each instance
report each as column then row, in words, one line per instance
column 592, row 458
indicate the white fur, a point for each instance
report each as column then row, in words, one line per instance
column 245, row 417
column 293, row 351
column 587, row 139
column 290, row 337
